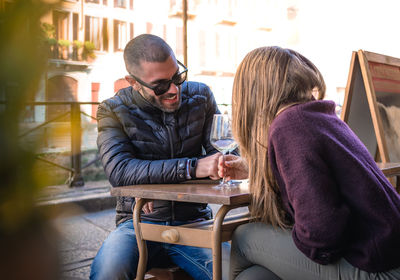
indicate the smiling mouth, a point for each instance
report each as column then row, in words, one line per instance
column 170, row 97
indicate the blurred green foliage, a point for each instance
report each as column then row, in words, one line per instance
column 49, row 30
column 23, row 58
column 64, row 43
column 88, row 50
column 78, row 44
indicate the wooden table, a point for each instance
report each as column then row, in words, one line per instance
column 391, row 170
column 202, row 234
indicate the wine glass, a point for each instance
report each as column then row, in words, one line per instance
column 221, row 138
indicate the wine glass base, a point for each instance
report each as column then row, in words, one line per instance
column 231, row 184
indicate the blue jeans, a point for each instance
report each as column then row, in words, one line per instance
column 118, row 256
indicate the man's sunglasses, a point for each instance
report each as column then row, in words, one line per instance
column 164, row 86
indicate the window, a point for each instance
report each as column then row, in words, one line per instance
column 120, row 35
column 105, row 35
column 61, row 22
column 96, row 32
column 120, row 3
column 75, row 23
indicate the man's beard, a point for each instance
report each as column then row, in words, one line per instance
column 157, row 102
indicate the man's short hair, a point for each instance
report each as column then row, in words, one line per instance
column 145, row 47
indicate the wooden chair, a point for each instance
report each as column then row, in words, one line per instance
column 231, row 222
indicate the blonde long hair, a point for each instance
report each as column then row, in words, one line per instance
column 268, row 79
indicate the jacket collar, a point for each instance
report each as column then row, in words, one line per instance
column 142, row 103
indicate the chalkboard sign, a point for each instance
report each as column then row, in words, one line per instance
column 372, row 103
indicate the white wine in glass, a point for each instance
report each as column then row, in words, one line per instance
column 222, row 139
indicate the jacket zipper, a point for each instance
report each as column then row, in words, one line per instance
column 169, row 137
column 172, row 156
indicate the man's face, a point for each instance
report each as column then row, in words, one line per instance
column 153, row 73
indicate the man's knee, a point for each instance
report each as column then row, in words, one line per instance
column 117, row 257
column 106, row 267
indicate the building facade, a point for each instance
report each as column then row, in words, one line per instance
column 219, row 34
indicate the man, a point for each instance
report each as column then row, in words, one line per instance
column 155, row 132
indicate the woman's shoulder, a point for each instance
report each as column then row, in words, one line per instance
column 302, row 119
column 305, row 111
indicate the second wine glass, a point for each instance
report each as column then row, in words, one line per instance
column 222, row 139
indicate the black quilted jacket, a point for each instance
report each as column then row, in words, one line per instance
column 140, row 144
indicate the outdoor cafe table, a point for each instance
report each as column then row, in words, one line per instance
column 201, row 234
column 198, row 234
column 390, row 169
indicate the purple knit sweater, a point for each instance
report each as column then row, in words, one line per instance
column 341, row 203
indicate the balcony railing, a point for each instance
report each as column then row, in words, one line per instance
column 76, row 51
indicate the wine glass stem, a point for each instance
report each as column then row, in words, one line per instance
column 223, row 164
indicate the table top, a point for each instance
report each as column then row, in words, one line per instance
column 199, row 191
column 389, row 168
column 202, row 191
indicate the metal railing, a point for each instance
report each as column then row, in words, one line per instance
column 75, row 169
column 75, row 178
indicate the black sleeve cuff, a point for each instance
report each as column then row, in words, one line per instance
column 193, row 165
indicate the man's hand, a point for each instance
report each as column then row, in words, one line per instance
column 208, row 167
column 147, row 207
column 233, row 167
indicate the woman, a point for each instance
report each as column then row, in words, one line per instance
column 324, row 209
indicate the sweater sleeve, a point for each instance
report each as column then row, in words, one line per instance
column 118, row 156
column 320, row 214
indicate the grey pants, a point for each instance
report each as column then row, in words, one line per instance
column 260, row 251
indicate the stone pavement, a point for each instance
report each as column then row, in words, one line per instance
column 84, row 217
column 81, row 237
